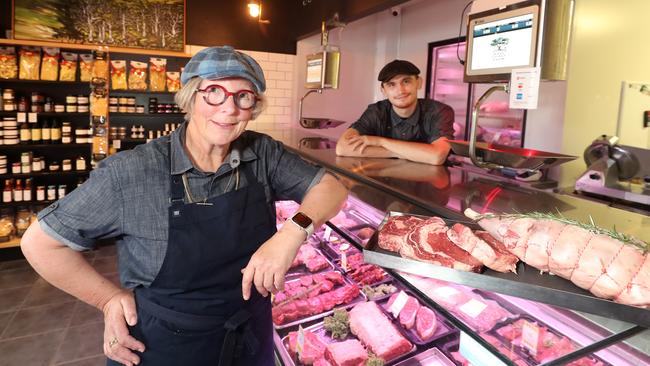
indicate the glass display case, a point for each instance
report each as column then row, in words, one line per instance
column 497, row 123
column 417, row 320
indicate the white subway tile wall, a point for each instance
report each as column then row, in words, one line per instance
column 278, row 69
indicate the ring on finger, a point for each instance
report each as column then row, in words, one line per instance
column 112, row 342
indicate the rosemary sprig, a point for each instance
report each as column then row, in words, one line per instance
column 591, row 227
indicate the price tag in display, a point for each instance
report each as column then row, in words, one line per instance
column 32, row 117
column 21, row 117
column 344, row 256
column 473, row 308
column 398, row 304
column 327, row 233
column 530, row 337
column 446, row 291
column 300, row 342
column 117, row 144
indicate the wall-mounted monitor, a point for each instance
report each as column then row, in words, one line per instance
column 323, row 70
column 499, row 40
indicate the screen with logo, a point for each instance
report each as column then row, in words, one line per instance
column 501, row 40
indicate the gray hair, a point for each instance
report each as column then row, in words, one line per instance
column 186, row 96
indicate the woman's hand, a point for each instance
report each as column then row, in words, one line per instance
column 269, row 264
column 118, row 343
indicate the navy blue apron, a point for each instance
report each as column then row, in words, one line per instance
column 193, row 312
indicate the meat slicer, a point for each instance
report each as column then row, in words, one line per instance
column 613, row 172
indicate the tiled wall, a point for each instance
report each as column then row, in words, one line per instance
column 279, row 72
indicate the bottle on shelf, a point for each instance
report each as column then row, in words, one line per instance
column 55, row 131
column 36, row 133
column 46, row 132
column 18, row 191
column 27, row 190
column 25, row 133
column 7, row 192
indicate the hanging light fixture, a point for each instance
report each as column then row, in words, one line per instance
column 255, row 11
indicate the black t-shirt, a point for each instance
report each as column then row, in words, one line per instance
column 430, row 121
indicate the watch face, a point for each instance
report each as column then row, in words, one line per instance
column 301, row 219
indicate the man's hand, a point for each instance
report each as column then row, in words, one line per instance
column 118, row 343
column 361, row 142
column 269, row 264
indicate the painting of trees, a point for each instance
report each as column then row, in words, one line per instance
column 154, row 24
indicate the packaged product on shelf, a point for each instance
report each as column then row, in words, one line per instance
column 118, row 74
column 8, row 67
column 157, row 69
column 173, row 81
column 100, row 65
column 68, row 66
column 85, row 67
column 30, row 61
column 138, row 76
column 50, row 64
column 6, row 225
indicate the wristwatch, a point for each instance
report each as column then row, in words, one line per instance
column 303, row 222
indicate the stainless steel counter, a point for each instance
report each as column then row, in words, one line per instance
column 447, row 191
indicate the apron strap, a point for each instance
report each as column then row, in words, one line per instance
column 176, row 187
column 238, row 334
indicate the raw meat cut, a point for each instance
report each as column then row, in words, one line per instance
column 425, row 323
column 347, row 353
column 313, row 347
column 395, row 231
column 430, row 243
column 408, row 312
column 490, row 252
column 608, row 267
column 481, row 314
column 369, row 324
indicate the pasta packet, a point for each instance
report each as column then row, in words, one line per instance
column 157, row 69
column 86, row 67
column 100, row 65
column 68, row 66
column 118, row 74
column 50, row 64
column 8, row 67
column 173, row 81
column 30, row 60
column 138, row 76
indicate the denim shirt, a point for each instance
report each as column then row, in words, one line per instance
column 127, row 196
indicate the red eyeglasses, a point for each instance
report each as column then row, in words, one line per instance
column 217, row 95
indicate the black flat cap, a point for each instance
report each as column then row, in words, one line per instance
column 397, row 67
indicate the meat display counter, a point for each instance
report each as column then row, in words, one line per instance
column 567, row 324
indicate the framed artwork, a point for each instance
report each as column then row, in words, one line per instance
column 149, row 24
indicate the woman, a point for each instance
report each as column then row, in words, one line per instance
column 194, row 221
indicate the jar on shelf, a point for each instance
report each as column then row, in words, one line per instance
column 130, row 101
column 22, row 221
column 83, row 99
column 80, row 163
column 51, row 193
column 66, row 165
column 6, row 225
column 40, row 193
column 71, row 99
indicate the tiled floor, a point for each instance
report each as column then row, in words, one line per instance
column 41, row 325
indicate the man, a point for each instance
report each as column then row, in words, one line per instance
column 401, row 126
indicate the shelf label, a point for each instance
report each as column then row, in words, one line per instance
column 344, row 256
column 473, row 308
column 398, row 304
column 530, row 337
column 32, row 117
column 21, row 117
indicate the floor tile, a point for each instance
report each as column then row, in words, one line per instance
column 92, row 361
column 43, row 293
column 84, row 314
column 17, row 278
column 105, row 265
column 81, row 342
column 36, row 350
column 15, row 264
column 38, row 319
column 5, row 318
column 12, row 299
